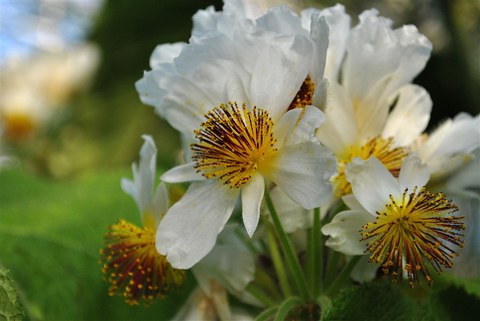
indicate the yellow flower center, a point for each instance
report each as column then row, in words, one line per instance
column 304, row 96
column 134, row 268
column 379, row 147
column 233, row 143
column 413, row 230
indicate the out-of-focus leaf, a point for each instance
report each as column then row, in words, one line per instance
column 471, row 286
column 51, row 233
column 10, row 307
column 382, row 300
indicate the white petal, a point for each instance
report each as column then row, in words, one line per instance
column 285, row 126
column 278, row 73
column 189, row 229
column 364, row 271
column 292, row 216
column 319, row 33
column 303, row 171
column 165, row 53
column 281, row 20
column 298, row 125
column 372, row 183
column 468, row 263
column 344, row 231
column 413, row 173
column 252, row 196
column 339, row 131
column 351, row 202
column 306, row 126
column 339, row 28
column 379, row 61
column 410, row 116
column 467, row 179
column 457, row 137
column 229, row 263
column 141, row 188
column 182, row 173
column 160, row 202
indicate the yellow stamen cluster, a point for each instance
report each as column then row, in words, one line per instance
column 379, row 147
column 304, row 96
column 133, row 266
column 233, row 143
column 412, row 231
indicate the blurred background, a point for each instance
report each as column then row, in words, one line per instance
column 71, row 121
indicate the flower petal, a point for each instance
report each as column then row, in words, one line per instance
column 165, row 53
column 141, row 188
column 278, row 73
column 364, row 271
column 292, row 216
column 413, row 173
column 339, row 28
column 252, row 196
column 298, row 125
column 372, row 183
column 339, row 131
column 160, row 202
column 189, row 229
column 229, row 263
column 454, row 138
column 344, row 231
column 303, row 172
column 410, row 116
column 182, row 173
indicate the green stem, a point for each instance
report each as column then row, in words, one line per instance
column 277, row 259
column 343, row 276
column 288, row 250
column 286, row 307
column 315, row 255
column 258, row 293
column 332, row 266
column 266, row 281
column 267, row 314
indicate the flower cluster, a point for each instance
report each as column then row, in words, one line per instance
column 312, row 131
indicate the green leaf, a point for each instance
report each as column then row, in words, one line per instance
column 384, row 300
column 10, row 307
column 470, row 285
column 51, row 233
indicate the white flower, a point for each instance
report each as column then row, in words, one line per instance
column 237, row 150
column 262, row 62
column 34, row 89
column 135, row 270
column 401, row 225
column 240, row 91
column 370, row 68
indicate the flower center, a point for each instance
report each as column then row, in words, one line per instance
column 134, row 268
column 379, row 147
column 233, row 143
column 304, row 95
column 412, row 231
